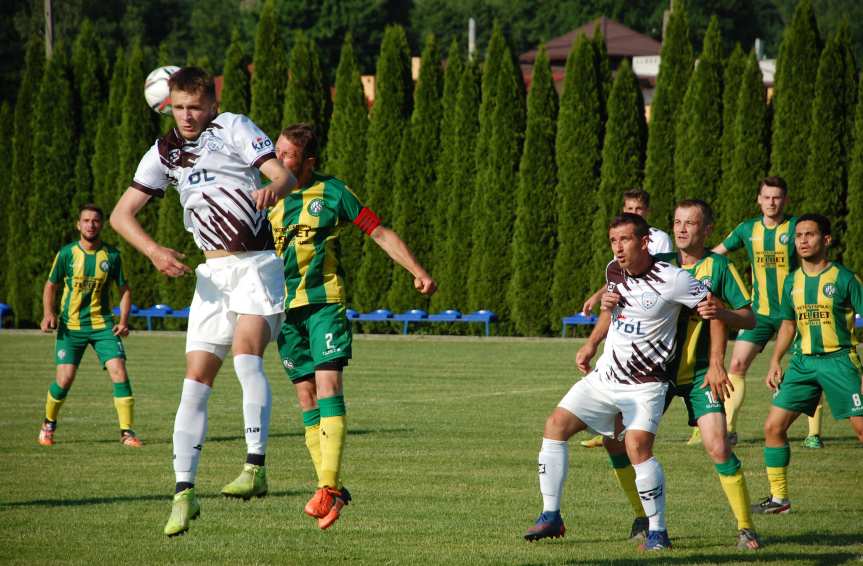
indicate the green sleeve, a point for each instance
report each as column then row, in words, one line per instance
column 349, row 205
column 734, row 240
column 786, row 310
column 58, row 269
column 734, row 294
column 119, row 274
column 855, row 294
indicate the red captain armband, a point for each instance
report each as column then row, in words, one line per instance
column 367, row 221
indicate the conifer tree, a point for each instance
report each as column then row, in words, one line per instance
column 444, row 188
column 306, row 98
column 734, row 68
column 50, row 224
column 7, row 131
column 750, row 145
column 105, row 163
column 622, row 161
column 579, row 156
column 698, row 148
column 414, row 192
column 794, row 91
column 89, row 80
column 345, row 154
column 534, row 243
column 137, row 132
column 16, row 231
column 453, row 273
column 270, row 77
column 825, row 185
column 674, row 71
column 235, row 78
column 853, row 256
column 493, row 246
column 389, row 117
column 603, row 69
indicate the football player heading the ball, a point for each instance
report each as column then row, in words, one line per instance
column 85, row 269
column 214, row 161
column 631, row 377
column 315, row 339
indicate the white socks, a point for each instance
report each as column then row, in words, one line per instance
column 257, row 400
column 190, row 428
column 553, row 465
column 650, row 481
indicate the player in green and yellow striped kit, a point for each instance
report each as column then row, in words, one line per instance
column 315, row 339
column 85, row 269
column 769, row 243
column 821, row 299
column 698, row 358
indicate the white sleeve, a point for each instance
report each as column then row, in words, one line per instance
column 659, row 243
column 253, row 145
column 151, row 176
column 687, row 290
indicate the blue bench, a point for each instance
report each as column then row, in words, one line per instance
column 484, row 317
column 156, row 311
column 5, row 310
column 576, row 320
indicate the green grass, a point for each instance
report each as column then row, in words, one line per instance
column 442, row 444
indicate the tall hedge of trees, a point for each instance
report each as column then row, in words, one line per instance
column 853, row 256
column 235, row 78
column 270, row 77
column 307, row 99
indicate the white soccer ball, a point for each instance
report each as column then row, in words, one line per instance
column 156, row 89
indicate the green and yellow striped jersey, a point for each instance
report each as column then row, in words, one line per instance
column 823, row 307
column 771, row 252
column 85, row 303
column 306, row 226
column 693, row 335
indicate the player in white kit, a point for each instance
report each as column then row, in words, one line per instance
column 630, row 377
column 214, row 161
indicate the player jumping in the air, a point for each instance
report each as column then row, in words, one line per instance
column 85, row 269
column 315, row 339
column 820, row 300
column 698, row 353
column 769, row 243
column 631, row 377
column 214, row 161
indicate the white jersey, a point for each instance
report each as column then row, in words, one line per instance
column 215, row 176
column 641, row 340
column 658, row 242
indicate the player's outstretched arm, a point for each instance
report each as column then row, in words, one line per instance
column 49, row 317
column 713, row 307
column 400, row 253
column 717, row 378
column 124, row 221
column 783, row 341
column 122, row 326
column 282, row 182
column 586, row 352
column 592, row 301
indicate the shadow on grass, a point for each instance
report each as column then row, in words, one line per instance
column 125, row 499
column 820, row 559
column 819, row 538
column 796, row 442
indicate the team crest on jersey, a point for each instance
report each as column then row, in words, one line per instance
column 316, row 206
column 61, row 354
column 783, row 239
column 829, row 289
column 648, row 299
column 289, row 364
column 104, row 265
column 214, row 144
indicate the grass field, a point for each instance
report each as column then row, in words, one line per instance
column 442, row 444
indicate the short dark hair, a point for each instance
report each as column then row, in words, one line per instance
column 637, row 194
column 642, row 228
column 822, row 221
column 194, row 80
column 706, row 211
column 91, row 207
column 773, row 181
column 303, row 136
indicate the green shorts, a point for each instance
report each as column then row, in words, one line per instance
column 765, row 328
column 312, row 336
column 699, row 402
column 836, row 374
column 71, row 344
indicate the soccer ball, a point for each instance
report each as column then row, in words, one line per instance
column 156, row 89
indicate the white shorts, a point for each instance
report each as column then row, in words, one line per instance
column 229, row 286
column 597, row 402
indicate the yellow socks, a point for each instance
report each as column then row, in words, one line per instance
column 332, row 437
column 733, row 404
column 815, row 420
column 312, row 422
column 776, row 461
column 124, row 402
column 626, row 478
column 56, row 397
column 734, row 486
